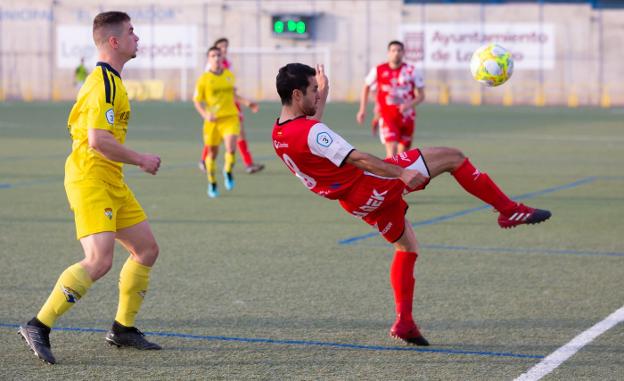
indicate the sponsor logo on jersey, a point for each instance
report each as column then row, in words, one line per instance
column 277, row 144
column 387, row 228
column 108, row 212
column 110, row 116
column 476, row 174
column 374, row 201
column 324, row 139
column 71, row 295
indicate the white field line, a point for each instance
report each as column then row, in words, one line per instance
column 552, row 361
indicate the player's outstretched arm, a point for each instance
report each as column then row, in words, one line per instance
column 376, row 166
column 323, row 91
column 104, row 142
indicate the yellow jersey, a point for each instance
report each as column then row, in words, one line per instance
column 102, row 103
column 217, row 92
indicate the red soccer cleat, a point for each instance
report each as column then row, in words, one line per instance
column 523, row 214
column 408, row 332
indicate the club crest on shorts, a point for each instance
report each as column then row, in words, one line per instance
column 108, row 212
column 71, row 295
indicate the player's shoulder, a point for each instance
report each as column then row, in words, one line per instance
column 204, row 76
column 383, row 66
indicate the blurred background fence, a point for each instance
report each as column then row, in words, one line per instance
column 566, row 53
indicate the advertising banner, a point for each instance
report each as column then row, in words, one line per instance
column 450, row 45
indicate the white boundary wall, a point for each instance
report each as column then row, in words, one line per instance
column 41, row 41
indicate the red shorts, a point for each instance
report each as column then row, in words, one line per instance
column 379, row 200
column 396, row 130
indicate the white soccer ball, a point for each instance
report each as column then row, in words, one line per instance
column 491, row 65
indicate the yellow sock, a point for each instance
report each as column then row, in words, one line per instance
column 230, row 159
column 211, row 168
column 133, row 282
column 70, row 287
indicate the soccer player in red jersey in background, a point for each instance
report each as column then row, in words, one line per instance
column 400, row 87
column 250, row 167
column 370, row 188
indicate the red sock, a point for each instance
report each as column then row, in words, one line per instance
column 402, row 280
column 204, row 154
column 481, row 186
column 242, row 147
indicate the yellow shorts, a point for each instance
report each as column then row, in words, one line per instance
column 101, row 207
column 215, row 131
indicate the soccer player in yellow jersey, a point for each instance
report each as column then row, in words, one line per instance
column 104, row 207
column 215, row 100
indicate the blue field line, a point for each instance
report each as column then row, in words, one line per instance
column 514, row 250
column 306, row 343
column 435, row 220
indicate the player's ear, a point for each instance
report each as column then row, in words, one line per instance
column 296, row 94
column 113, row 41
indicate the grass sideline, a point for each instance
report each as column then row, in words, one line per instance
column 264, row 263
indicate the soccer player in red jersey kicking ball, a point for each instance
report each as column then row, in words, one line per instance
column 400, row 87
column 370, row 188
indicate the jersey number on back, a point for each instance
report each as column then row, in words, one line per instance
column 308, row 181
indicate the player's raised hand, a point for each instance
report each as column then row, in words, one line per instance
column 321, row 79
column 253, row 106
column 150, row 163
column 412, row 179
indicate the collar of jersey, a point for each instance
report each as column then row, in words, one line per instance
column 289, row 120
column 108, row 67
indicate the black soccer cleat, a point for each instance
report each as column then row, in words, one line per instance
column 408, row 332
column 523, row 214
column 131, row 337
column 38, row 340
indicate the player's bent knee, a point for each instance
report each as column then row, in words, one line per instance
column 149, row 254
column 98, row 267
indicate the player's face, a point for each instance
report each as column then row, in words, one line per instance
column 395, row 54
column 215, row 59
column 224, row 47
column 128, row 41
column 311, row 98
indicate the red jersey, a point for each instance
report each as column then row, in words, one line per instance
column 395, row 87
column 316, row 155
column 227, row 64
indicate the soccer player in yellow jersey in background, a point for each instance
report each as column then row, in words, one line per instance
column 104, row 207
column 215, row 100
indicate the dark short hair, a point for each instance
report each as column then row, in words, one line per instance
column 220, row 40
column 291, row 77
column 112, row 20
column 396, row 42
column 212, row 48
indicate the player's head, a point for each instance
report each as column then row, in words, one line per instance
column 114, row 34
column 215, row 58
column 296, row 85
column 396, row 50
column 222, row 43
